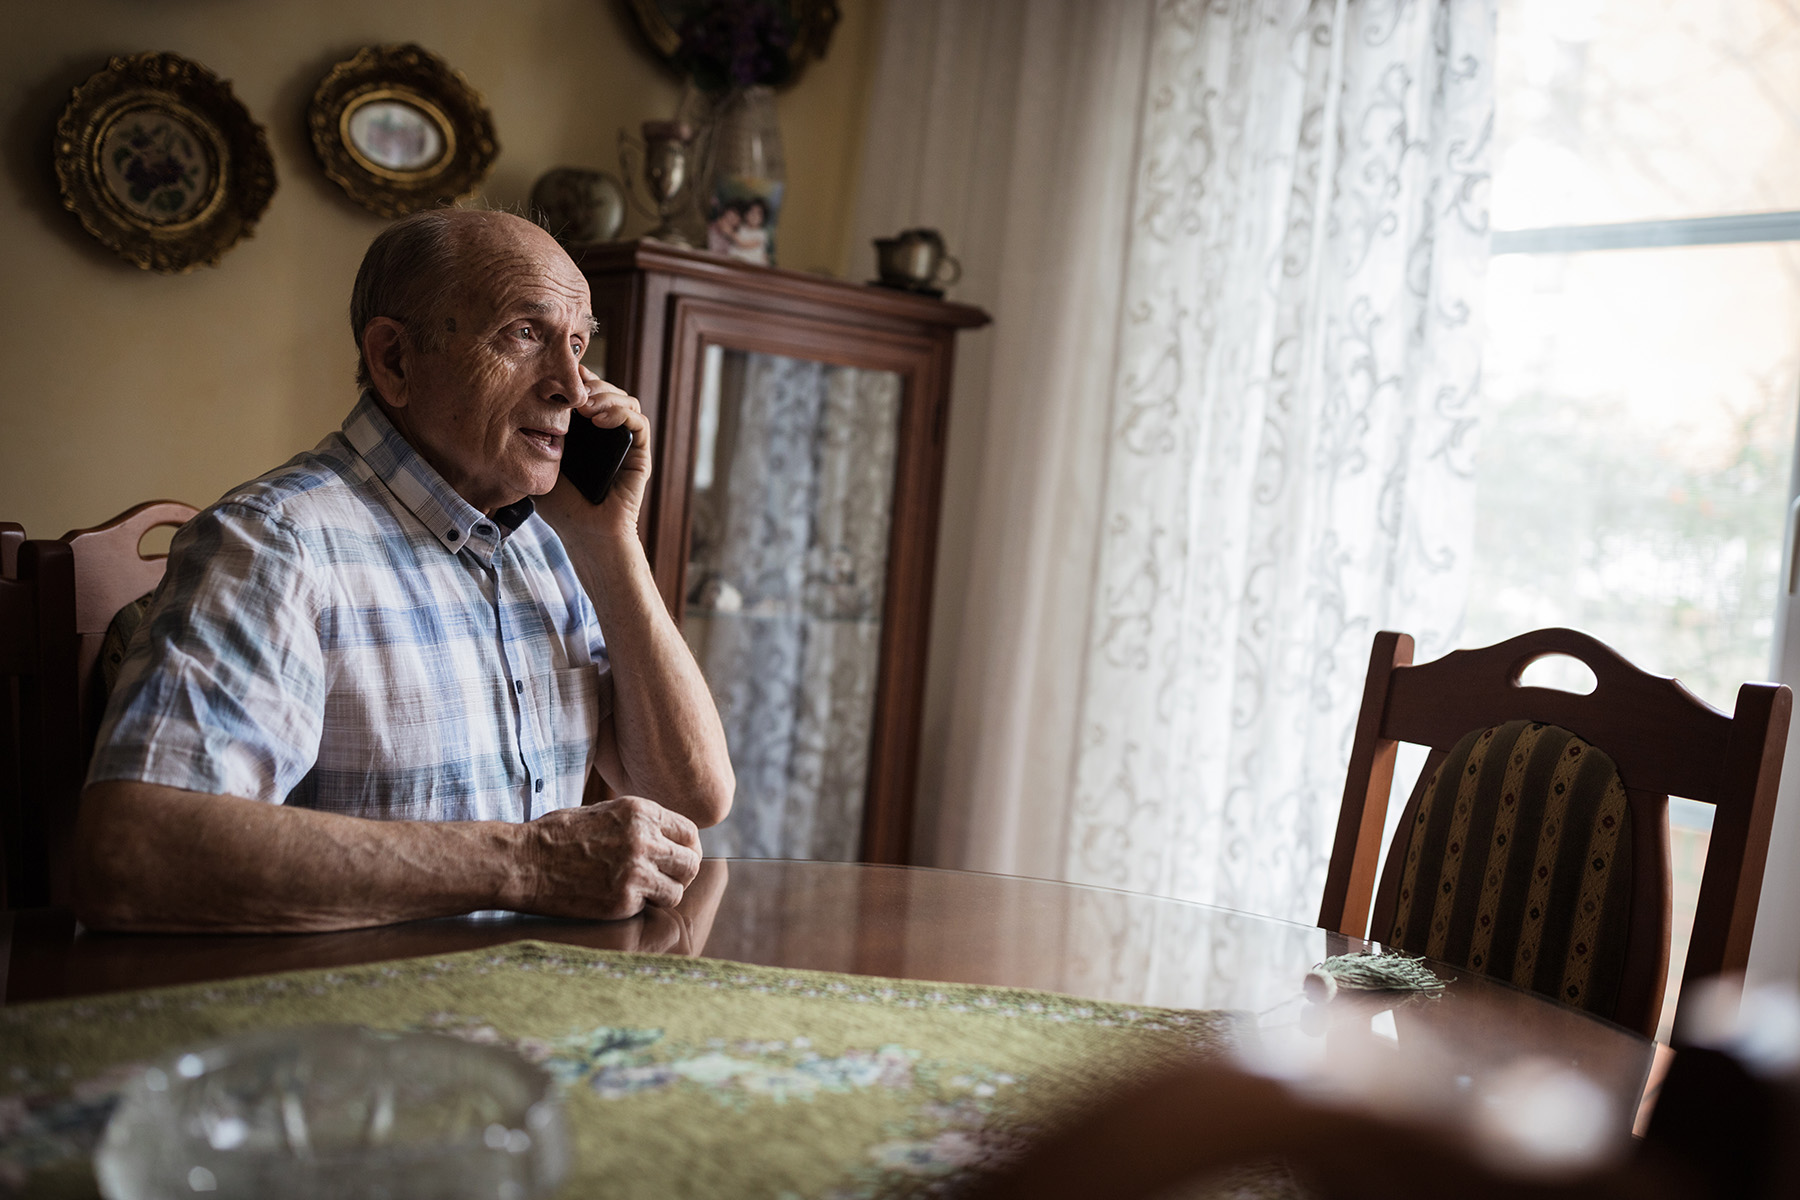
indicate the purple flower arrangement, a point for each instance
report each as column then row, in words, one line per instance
column 733, row 44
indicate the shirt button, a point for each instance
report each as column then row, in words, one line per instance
column 518, row 687
column 538, row 786
column 453, row 535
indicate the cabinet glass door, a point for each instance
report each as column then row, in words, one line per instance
column 787, row 561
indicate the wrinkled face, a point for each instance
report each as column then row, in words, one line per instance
column 490, row 409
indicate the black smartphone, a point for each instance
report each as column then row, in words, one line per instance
column 592, row 456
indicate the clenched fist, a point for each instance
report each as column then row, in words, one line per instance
column 609, row 860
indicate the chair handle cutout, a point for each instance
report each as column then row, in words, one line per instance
column 1556, row 672
column 154, row 542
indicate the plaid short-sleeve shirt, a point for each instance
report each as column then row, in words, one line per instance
column 347, row 633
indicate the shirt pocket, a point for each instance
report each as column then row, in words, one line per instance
column 567, row 708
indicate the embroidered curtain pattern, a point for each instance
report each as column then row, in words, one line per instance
column 1289, row 460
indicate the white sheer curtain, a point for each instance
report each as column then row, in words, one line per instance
column 1223, row 428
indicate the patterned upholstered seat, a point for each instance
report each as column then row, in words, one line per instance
column 1518, row 864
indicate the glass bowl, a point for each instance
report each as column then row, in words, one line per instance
column 336, row 1110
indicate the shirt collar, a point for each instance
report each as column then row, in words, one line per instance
column 457, row 524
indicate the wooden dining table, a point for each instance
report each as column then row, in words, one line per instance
column 912, row 923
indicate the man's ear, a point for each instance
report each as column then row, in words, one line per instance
column 388, row 351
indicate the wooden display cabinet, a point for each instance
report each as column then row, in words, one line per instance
column 798, row 430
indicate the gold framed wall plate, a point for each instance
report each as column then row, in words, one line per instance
column 162, row 163
column 399, row 130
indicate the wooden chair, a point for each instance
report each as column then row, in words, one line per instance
column 18, row 724
column 12, row 536
column 76, row 585
column 36, row 709
column 1662, row 740
column 18, row 631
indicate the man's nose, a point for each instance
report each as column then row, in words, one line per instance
column 562, row 384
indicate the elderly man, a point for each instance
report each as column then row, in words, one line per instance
column 373, row 685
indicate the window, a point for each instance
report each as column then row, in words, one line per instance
column 1642, row 365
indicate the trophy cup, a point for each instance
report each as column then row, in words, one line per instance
column 668, row 157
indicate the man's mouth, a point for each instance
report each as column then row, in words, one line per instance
column 547, row 440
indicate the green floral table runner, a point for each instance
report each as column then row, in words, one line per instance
column 681, row 1077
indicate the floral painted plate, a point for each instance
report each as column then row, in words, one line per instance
column 162, row 163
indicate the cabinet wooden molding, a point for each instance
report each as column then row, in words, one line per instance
column 797, row 428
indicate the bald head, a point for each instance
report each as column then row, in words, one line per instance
column 419, row 267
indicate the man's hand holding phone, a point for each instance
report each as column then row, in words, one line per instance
column 606, row 455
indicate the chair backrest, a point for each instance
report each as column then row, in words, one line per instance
column 75, row 585
column 37, row 718
column 18, row 679
column 111, row 572
column 12, row 536
column 1662, row 740
column 18, row 640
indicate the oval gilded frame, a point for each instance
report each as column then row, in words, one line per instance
column 413, row 76
column 231, row 192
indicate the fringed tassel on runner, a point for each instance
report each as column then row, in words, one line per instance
column 1370, row 971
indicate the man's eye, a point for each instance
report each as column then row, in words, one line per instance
column 525, row 333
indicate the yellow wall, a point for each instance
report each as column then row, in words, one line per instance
column 119, row 385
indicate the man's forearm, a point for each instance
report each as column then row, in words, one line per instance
column 669, row 740
column 161, row 859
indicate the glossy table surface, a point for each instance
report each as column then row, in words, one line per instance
column 918, row 923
